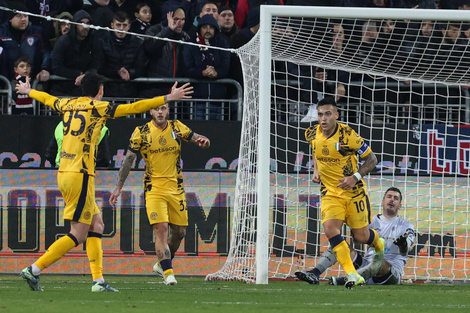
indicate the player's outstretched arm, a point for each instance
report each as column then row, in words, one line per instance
column 201, row 141
column 178, row 93
column 122, row 176
column 23, row 88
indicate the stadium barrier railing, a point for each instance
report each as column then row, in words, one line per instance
column 380, row 111
column 237, row 99
column 5, row 95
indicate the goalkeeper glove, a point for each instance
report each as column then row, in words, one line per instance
column 401, row 241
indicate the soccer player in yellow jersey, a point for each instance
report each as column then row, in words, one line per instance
column 159, row 143
column 344, row 198
column 83, row 119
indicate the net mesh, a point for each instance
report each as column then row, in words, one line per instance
column 402, row 86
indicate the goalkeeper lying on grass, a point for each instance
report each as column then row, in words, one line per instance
column 399, row 238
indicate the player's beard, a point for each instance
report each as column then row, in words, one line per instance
column 161, row 121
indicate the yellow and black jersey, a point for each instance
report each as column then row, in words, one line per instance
column 83, row 120
column 161, row 150
column 337, row 157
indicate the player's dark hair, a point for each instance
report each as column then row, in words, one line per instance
column 23, row 58
column 394, row 189
column 327, row 101
column 91, row 84
column 121, row 16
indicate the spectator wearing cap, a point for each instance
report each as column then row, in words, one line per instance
column 209, row 8
column 60, row 28
column 226, row 21
column 202, row 62
column 18, row 36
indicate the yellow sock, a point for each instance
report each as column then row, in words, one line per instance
column 56, row 251
column 377, row 243
column 95, row 256
column 343, row 256
column 168, row 272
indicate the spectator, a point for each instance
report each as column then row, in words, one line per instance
column 450, row 49
column 46, row 8
column 73, row 56
column 244, row 6
column 143, row 16
column 23, row 104
column 327, row 82
column 100, row 12
column 226, row 21
column 127, row 6
column 116, row 58
column 60, row 28
column 464, row 5
column 19, row 37
column 208, row 8
column 419, row 52
column 162, row 58
column 3, row 13
column 206, row 63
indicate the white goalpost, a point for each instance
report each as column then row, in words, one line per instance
column 400, row 77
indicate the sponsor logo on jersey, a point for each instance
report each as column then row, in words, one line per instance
column 329, row 160
column 162, row 150
column 65, row 155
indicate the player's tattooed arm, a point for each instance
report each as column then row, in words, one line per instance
column 201, row 140
column 126, row 167
column 123, row 173
column 348, row 182
column 370, row 161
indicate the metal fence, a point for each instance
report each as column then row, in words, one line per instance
column 5, row 95
column 231, row 106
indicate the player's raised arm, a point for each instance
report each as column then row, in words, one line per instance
column 23, row 87
column 177, row 93
column 43, row 97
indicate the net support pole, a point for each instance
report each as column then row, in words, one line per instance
column 262, row 239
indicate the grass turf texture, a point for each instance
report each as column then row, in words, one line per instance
column 148, row 294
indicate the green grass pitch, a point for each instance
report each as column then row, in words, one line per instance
column 193, row 294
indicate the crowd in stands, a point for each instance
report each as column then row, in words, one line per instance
column 71, row 50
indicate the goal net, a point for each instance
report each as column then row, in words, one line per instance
column 400, row 78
